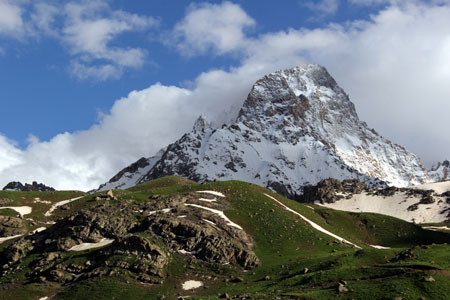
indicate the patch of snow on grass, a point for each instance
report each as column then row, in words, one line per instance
column 314, row 225
column 379, row 247
column 38, row 230
column 434, row 228
column 165, row 210
column 58, row 204
column 208, row 200
column 438, row 187
column 22, row 210
column 217, row 212
column 395, row 206
column 182, row 251
column 4, row 239
column 219, row 194
column 87, row 246
column 192, row 284
column 210, row 222
column 38, row 200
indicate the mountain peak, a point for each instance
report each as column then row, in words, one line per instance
column 296, row 127
column 201, row 124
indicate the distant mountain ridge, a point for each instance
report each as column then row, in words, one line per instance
column 440, row 171
column 296, row 127
column 33, row 187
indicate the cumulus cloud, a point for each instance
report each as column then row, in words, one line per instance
column 217, row 27
column 11, row 22
column 323, row 7
column 88, row 33
column 44, row 16
column 86, row 28
column 395, row 66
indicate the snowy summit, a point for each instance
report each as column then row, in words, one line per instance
column 296, row 127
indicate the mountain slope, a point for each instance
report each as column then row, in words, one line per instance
column 296, row 127
column 440, row 171
column 150, row 241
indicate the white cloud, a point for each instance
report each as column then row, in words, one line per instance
column 44, row 16
column 88, row 29
column 11, row 22
column 395, row 68
column 88, row 33
column 217, row 27
column 323, row 7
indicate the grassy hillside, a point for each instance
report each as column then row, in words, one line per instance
column 297, row 261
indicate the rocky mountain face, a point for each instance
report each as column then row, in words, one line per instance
column 162, row 226
column 297, row 127
column 34, row 187
column 440, row 171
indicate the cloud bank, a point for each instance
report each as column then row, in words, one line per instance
column 395, row 67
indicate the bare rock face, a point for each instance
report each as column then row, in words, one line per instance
column 10, row 226
column 145, row 234
column 296, row 127
column 34, row 187
column 440, row 171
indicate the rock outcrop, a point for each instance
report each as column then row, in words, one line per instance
column 33, row 187
column 440, row 171
column 143, row 234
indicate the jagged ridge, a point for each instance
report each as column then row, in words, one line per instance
column 296, row 127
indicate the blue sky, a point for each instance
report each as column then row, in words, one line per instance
column 89, row 86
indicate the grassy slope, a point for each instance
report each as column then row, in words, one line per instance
column 286, row 246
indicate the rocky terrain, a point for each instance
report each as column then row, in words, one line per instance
column 297, row 127
column 440, row 171
column 33, row 187
column 172, row 238
column 429, row 203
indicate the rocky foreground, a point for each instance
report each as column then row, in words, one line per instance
column 172, row 238
column 180, row 224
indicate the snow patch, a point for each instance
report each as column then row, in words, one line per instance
column 379, row 247
column 191, row 284
column 219, row 194
column 38, row 200
column 210, row 222
column 395, row 206
column 58, row 204
column 434, row 228
column 182, row 251
column 4, row 239
column 437, row 187
column 208, row 200
column 314, row 225
column 87, row 246
column 217, row 212
column 38, row 230
column 22, row 210
column 165, row 210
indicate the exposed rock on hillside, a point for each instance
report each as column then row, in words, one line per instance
column 440, row 171
column 34, row 187
column 143, row 234
column 416, row 204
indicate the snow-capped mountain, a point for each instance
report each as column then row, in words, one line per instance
column 440, row 171
column 296, row 127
